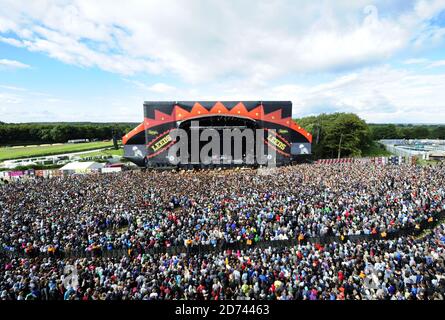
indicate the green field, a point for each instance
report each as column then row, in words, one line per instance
column 10, row 153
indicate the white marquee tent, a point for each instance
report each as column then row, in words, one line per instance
column 81, row 167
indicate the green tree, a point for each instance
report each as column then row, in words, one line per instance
column 438, row 132
column 329, row 129
column 420, row 132
column 386, row 131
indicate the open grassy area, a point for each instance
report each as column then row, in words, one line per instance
column 10, row 153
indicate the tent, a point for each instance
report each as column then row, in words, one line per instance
column 437, row 155
column 81, row 167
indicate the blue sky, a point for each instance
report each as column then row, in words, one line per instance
column 99, row 60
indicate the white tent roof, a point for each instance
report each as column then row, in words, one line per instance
column 82, row 165
column 437, row 154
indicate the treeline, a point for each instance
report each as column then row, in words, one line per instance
column 407, row 131
column 357, row 137
column 39, row 133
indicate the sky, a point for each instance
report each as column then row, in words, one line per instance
column 83, row 60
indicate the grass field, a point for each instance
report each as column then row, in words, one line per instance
column 10, row 153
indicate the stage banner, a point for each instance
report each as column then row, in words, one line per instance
column 335, row 161
column 16, row 173
column 363, row 160
column 109, row 170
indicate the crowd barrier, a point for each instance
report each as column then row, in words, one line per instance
column 30, row 174
column 416, row 230
column 24, row 174
column 395, row 160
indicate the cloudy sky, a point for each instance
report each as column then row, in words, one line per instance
column 83, row 60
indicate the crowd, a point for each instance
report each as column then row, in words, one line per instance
column 402, row 269
column 142, row 210
column 152, row 209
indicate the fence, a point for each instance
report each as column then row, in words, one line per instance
column 395, row 160
column 26, row 174
column 30, row 174
column 405, row 152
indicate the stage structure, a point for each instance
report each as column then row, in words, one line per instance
column 148, row 144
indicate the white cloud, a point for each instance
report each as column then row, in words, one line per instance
column 9, row 87
column 207, row 40
column 416, row 61
column 8, row 98
column 238, row 50
column 425, row 62
column 161, row 88
column 427, row 8
column 11, row 41
column 437, row 63
column 12, row 64
column 378, row 94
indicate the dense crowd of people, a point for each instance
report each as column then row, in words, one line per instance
column 139, row 210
